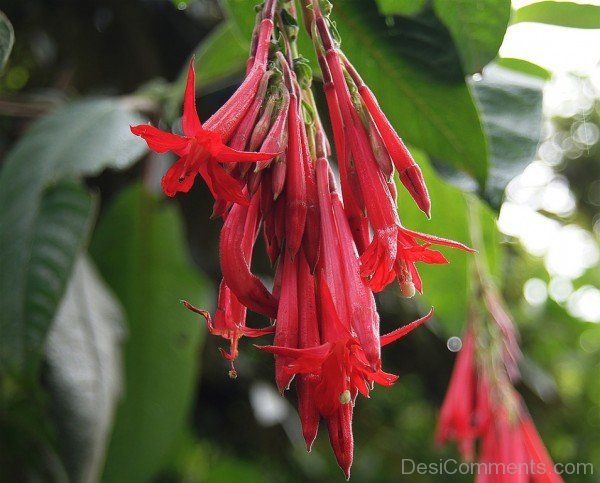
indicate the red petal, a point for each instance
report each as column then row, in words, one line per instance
column 161, row 141
column 176, row 179
column 340, row 436
column 222, row 185
column 225, row 154
column 309, row 355
column 402, row 331
column 435, row 240
column 190, row 121
column 250, row 332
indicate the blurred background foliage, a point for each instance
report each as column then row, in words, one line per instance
column 104, row 376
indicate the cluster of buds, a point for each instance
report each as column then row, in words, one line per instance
column 482, row 404
column 266, row 159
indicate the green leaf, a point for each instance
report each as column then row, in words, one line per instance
column 437, row 115
column 219, row 58
column 565, row 14
column 58, row 229
column 83, row 355
column 221, row 55
column 523, row 66
column 80, row 138
column 139, row 249
column 477, row 26
column 447, row 287
column 400, row 7
column 7, row 39
column 511, row 106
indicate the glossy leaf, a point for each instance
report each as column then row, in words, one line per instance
column 524, row 67
column 83, row 355
column 139, row 249
column 477, row 27
column 7, row 39
column 565, row 14
column 81, row 138
column 446, row 287
column 435, row 114
column 511, row 105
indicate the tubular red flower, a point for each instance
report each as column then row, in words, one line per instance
column 296, row 206
column 408, row 170
column 339, row 426
column 339, row 362
column 200, row 150
column 306, row 384
column 286, row 326
column 229, row 323
column 239, row 227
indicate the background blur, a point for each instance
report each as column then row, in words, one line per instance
column 104, row 375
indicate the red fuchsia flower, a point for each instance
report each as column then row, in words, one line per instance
column 393, row 251
column 465, row 412
column 200, row 151
column 408, row 170
column 338, row 370
column 512, row 450
column 482, row 404
column 237, row 239
column 264, row 156
column 229, row 323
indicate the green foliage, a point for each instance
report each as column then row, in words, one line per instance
column 83, row 357
column 565, row 14
column 446, row 287
column 511, row 108
column 220, row 56
column 400, row 7
column 36, row 259
column 524, row 66
column 477, row 28
column 140, row 251
column 57, row 232
column 7, row 39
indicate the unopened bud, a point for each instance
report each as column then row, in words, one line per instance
column 407, row 289
column 345, row 397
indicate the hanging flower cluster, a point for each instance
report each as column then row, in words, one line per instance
column 482, row 404
column 265, row 158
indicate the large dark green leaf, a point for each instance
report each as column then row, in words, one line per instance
column 58, row 229
column 447, row 287
column 7, row 39
column 477, row 27
column 80, row 138
column 83, row 353
column 400, row 7
column 565, row 14
column 140, row 250
column 511, row 105
column 435, row 114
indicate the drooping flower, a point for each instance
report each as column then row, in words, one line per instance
column 393, row 250
column 265, row 157
column 481, row 403
column 335, row 372
column 229, row 323
column 200, row 151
